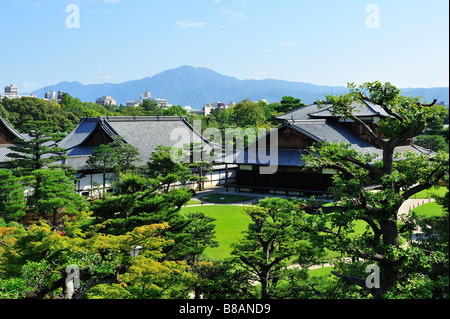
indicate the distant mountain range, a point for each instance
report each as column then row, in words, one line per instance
column 187, row 85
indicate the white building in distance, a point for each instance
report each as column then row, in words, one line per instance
column 105, row 101
column 207, row 108
column 148, row 96
column 12, row 92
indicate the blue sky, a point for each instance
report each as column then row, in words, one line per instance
column 322, row 42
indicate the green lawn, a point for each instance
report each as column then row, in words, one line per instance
column 430, row 193
column 429, row 210
column 226, row 198
column 193, row 202
column 230, row 223
column 320, row 272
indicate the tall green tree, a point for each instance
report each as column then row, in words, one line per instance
column 37, row 152
column 432, row 142
column 12, row 198
column 397, row 178
column 289, row 103
column 105, row 160
column 56, row 194
column 139, row 203
column 279, row 231
column 127, row 154
column 166, row 165
column 84, row 109
column 248, row 113
column 151, row 108
column 199, row 160
column 174, row 110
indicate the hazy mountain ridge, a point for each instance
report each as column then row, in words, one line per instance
column 192, row 86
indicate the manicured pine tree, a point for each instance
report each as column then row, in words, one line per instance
column 12, row 199
column 127, row 154
column 56, row 194
column 37, row 152
column 104, row 159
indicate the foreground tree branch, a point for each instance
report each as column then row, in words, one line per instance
column 407, row 119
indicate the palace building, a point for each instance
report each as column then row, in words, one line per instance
column 144, row 133
column 300, row 129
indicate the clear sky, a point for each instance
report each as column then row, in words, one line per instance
column 327, row 42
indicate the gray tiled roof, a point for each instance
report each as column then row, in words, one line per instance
column 144, row 133
column 11, row 129
column 319, row 131
column 4, row 148
column 79, row 134
column 284, row 157
column 300, row 114
column 362, row 109
column 78, row 162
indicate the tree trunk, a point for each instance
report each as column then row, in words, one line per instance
column 263, row 278
column 388, row 267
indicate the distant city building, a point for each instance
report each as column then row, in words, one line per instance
column 50, row 96
column 11, row 89
column 207, row 108
column 53, row 96
column 105, row 101
column 148, row 96
column 12, row 92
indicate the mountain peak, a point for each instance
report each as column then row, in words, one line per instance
column 196, row 86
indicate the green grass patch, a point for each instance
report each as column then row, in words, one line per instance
column 193, row 202
column 226, row 198
column 429, row 210
column 230, row 223
column 431, row 193
column 321, row 272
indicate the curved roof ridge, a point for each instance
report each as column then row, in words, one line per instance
column 303, row 108
column 71, row 133
column 10, row 128
column 306, row 133
column 321, row 109
column 108, row 129
column 371, row 105
column 140, row 118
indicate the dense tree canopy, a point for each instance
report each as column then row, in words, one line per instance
column 26, row 109
column 137, row 242
column 12, row 198
column 37, row 152
column 397, row 178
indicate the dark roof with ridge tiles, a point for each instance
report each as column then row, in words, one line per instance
column 4, row 148
column 314, row 111
column 319, row 131
column 143, row 132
